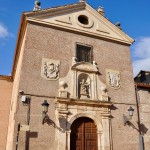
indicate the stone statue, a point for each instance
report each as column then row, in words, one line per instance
column 84, row 89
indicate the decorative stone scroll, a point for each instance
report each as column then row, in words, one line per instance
column 113, row 78
column 50, row 69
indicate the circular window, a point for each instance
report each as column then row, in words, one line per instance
column 83, row 19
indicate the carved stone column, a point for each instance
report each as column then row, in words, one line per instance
column 68, row 140
column 74, row 85
column 61, row 129
column 106, row 133
column 99, row 135
column 94, row 87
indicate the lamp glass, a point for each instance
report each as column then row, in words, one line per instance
column 45, row 106
column 45, row 109
column 130, row 110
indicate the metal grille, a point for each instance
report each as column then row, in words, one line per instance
column 84, row 53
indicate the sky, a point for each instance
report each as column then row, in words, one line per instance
column 134, row 16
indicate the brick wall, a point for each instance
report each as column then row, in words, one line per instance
column 61, row 45
column 5, row 99
column 144, row 107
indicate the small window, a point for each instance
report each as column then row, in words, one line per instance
column 84, row 53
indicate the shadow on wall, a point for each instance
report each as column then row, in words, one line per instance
column 143, row 129
column 28, row 136
column 62, row 120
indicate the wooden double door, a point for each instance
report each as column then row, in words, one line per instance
column 83, row 134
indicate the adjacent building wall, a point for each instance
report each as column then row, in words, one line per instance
column 5, row 99
column 144, row 108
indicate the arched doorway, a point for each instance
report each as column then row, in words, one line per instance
column 83, row 134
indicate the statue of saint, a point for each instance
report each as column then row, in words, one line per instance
column 84, row 89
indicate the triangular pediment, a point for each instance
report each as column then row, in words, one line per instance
column 82, row 18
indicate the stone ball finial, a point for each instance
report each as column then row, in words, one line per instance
column 82, row 1
column 118, row 24
column 100, row 10
column 74, row 60
column 104, row 89
column 37, row 5
column 62, row 85
column 94, row 63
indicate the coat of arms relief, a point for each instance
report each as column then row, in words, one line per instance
column 113, row 78
column 50, row 69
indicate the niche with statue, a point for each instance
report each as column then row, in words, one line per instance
column 84, row 86
column 83, row 82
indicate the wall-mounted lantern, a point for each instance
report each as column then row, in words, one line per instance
column 45, row 106
column 126, row 119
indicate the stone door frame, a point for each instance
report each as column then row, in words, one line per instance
column 97, row 123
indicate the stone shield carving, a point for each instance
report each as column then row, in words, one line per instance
column 50, row 69
column 113, row 78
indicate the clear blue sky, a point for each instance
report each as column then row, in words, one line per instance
column 134, row 16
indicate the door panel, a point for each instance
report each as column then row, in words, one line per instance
column 83, row 135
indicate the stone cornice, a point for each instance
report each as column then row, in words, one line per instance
column 78, row 31
column 84, row 102
column 56, row 10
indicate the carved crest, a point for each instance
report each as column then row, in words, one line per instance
column 113, row 78
column 50, row 69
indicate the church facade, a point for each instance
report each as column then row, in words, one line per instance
column 72, row 83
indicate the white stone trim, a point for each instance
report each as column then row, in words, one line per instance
column 94, row 118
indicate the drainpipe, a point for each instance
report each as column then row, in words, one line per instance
column 17, row 138
column 141, row 141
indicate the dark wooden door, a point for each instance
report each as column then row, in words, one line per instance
column 83, row 135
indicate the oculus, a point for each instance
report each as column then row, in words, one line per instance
column 84, row 21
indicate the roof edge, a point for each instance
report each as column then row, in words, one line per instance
column 143, row 85
column 7, row 78
column 20, row 36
